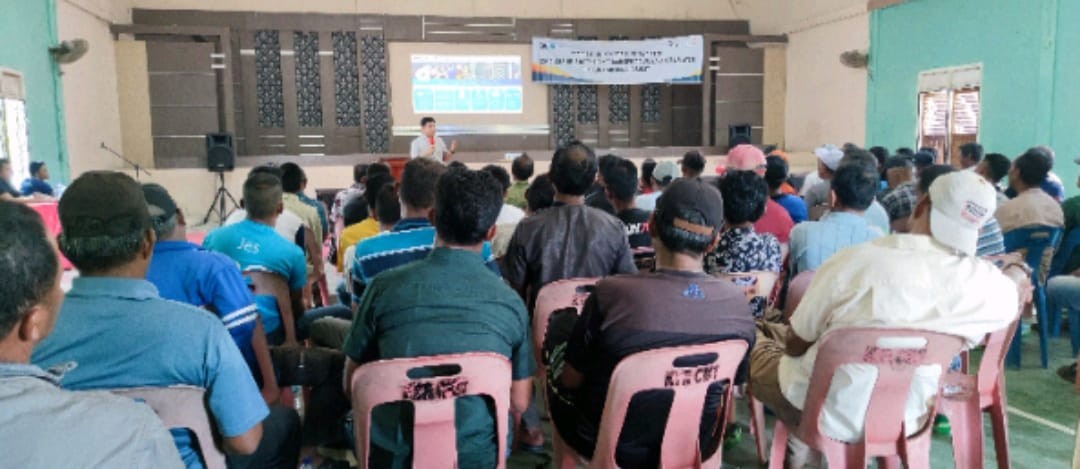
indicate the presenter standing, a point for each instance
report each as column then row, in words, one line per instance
column 427, row 145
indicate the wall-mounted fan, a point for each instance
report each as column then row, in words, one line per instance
column 855, row 59
column 69, row 51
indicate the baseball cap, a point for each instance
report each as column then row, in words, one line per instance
column 692, row 195
column 158, row 201
column 962, row 202
column 830, row 155
column 665, row 172
column 746, row 157
column 103, row 203
column 923, row 159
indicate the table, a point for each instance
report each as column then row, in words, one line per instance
column 50, row 214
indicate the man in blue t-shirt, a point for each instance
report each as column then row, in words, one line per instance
column 184, row 272
column 114, row 331
column 254, row 245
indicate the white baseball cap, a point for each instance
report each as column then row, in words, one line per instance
column 962, row 203
column 830, row 155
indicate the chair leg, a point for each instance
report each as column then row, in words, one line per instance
column 1074, row 330
column 757, row 426
column 1001, row 434
column 967, row 431
column 779, row 446
column 1043, row 317
column 1054, row 311
column 1012, row 357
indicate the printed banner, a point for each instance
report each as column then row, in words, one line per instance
column 570, row 62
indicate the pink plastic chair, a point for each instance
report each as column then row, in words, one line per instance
column 655, row 369
column 884, row 435
column 434, row 435
column 966, row 397
column 553, row 297
column 796, row 289
column 182, row 407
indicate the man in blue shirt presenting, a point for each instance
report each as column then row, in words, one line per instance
column 115, row 331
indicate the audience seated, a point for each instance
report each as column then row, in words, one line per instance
column 289, row 225
column 775, row 220
column 994, row 167
column 509, row 215
column 1032, row 206
column 479, row 314
column 344, row 196
column 875, row 214
column 900, row 201
column 991, row 241
column 568, row 240
column 293, row 183
column 253, row 245
column 37, row 183
column 851, row 192
column 971, row 154
column 7, row 189
column 661, row 176
column 692, row 164
column 620, row 180
column 928, row 279
column 1051, row 184
column 114, row 331
column 540, row 195
column 626, row 314
column 647, row 168
column 776, row 176
column 522, row 170
column 369, row 225
column 42, row 425
column 828, row 161
column 183, row 272
column 596, row 197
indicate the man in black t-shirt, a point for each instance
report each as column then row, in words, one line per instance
column 626, row 314
column 621, row 181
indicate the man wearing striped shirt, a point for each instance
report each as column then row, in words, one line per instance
column 185, row 273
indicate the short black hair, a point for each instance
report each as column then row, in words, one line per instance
column 880, row 153
column 744, row 194
column 924, row 159
column 378, row 168
column 292, row 177
column 500, row 175
column 855, row 185
column 467, row 203
column 387, row 205
column 622, row 180
column 456, row 165
column 776, row 172
column 898, row 161
column 905, row 151
column 522, row 168
column 28, row 263
column 374, row 184
column 1033, row 167
column 928, row 175
column 998, row 165
column 693, row 162
column 418, row 182
column 268, row 168
column 355, row 211
column 540, row 194
column 262, row 195
column 647, row 168
column 426, row 120
column 359, row 172
column 573, row 169
column 972, row 150
column 930, row 150
column 605, row 162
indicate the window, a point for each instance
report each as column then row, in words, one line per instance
column 14, row 139
column 949, row 111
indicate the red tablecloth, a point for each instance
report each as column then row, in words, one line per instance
column 51, row 216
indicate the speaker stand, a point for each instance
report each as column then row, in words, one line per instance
column 218, row 205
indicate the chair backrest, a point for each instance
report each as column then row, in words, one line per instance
column 662, row 369
column 267, row 283
column 1035, row 240
column 754, row 284
column 434, row 434
column 570, row 293
column 896, row 353
column 796, row 289
column 182, row 407
column 1064, row 252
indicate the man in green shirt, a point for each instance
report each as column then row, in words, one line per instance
column 448, row 303
column 522, row 170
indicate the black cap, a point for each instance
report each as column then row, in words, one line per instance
column 691, row 195
column 923, row 159
column 158, row 201
column 103, row 203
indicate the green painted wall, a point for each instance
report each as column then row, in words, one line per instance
column 1030, row 66
column 27, row 29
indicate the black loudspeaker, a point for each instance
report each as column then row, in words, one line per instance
column 220, row 155
column 739, row 134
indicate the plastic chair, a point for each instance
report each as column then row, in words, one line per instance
column 1035, row 240
column 553, row 297
column 1068, row 244
column 271, row 284
column 966, row 397
column 434, row 434
column 656, row 369
column 796, row 289
column 182, row 407
column 884, row 435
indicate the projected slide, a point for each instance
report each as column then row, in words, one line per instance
column 466, row 84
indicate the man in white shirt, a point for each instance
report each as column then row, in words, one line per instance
column 929, row 279
column 509, row 215
column 664, row 174
column 427, row 145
